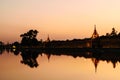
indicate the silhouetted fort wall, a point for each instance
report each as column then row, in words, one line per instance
column 29, row 40
column 69, row 44
column 101, row 42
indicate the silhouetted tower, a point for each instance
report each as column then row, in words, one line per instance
column 48, row 39
column 95, row 34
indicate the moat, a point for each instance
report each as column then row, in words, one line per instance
column 66, row 64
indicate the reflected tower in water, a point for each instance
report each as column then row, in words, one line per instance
column 96, row 62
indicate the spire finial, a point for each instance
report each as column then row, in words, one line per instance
column 95, row 26
column 48, row 39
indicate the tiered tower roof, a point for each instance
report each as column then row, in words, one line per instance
column 95, row 33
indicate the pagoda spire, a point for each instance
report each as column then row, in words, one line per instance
column 95, row 33
column 48, row 39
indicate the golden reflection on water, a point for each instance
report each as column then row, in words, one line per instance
column 56, row 68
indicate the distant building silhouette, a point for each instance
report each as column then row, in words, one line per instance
column 95, row 41
column 95, row 33
column 48, row 39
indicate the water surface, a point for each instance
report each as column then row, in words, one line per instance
column 53, row 66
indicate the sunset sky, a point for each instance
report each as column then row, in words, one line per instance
column 61, row 19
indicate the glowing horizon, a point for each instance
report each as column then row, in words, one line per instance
column 61, row 19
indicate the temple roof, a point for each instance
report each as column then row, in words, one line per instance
column 95, row 34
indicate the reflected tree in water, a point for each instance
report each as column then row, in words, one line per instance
column 29, row 57
column 2, row 48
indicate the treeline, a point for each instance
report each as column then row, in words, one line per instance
column 29, row 40
column 110, row 40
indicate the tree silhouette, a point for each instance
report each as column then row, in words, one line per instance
column 29, row 38
column 114, row 32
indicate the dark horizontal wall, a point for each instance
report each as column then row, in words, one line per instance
column 110, row 42
column 69, row 44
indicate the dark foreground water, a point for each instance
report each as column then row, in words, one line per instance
column 61, row 65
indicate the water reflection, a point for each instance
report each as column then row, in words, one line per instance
column 1, row 50
column 29, row 56
column 96, row 55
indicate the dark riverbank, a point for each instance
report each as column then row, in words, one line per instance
column 29, row 55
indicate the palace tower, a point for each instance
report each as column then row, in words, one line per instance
column 95, row 34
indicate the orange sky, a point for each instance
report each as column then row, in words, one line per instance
column 61, row 19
